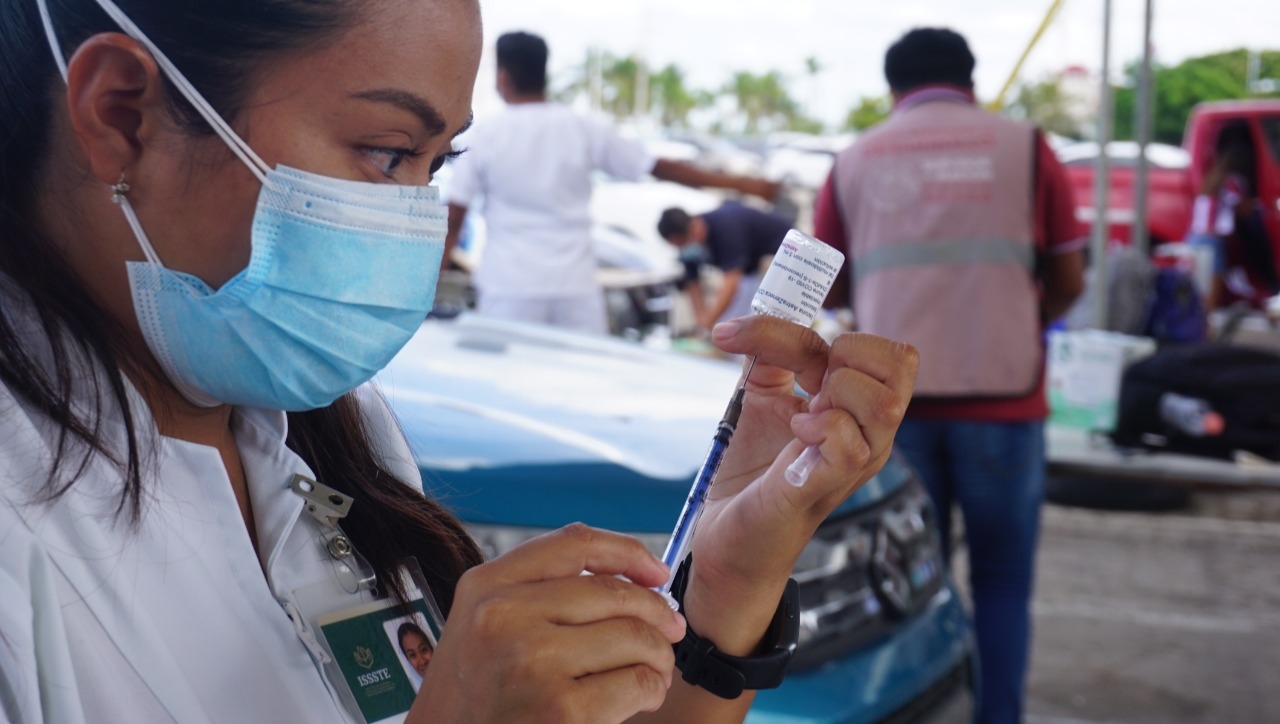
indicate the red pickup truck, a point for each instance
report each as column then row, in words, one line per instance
column 1177, row 174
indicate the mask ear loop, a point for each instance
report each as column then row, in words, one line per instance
column 220, row 127
column 119, row 196
column 47, row 22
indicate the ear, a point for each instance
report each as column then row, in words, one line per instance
column 115, row 102
column 698, row 229
column 502, row 82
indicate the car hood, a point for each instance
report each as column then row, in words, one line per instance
column 522, row 425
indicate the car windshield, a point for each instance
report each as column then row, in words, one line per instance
column 1271, row 129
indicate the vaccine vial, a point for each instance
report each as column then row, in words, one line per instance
column 793, row 289
column 797, row 282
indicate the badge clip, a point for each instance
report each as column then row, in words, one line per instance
column 328, row 506
column 323, row 503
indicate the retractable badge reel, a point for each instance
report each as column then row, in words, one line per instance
column 373, row 650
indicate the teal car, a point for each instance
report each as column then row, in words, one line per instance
column 522, row 429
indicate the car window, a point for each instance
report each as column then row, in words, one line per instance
column 1271, row 129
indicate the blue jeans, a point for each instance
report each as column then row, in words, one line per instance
column 1219, row 250
column 995, row 473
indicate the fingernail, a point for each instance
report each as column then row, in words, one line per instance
column 725, row 331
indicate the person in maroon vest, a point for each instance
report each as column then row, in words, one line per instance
column 961, row 238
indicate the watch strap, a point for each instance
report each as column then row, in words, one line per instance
column 702, row 665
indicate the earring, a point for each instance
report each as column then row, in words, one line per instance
column 119, row 189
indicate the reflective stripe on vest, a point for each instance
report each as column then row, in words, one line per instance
column 955, row 252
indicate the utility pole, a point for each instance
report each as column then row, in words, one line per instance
column 641, row 110
column 1102, row 179
column 642, row 89
column 1142, row 125
column 595, row 73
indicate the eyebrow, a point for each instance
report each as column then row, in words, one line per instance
column 417, row 105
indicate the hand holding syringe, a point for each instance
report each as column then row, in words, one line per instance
column 793, row 289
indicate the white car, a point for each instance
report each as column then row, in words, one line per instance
column 802, row 160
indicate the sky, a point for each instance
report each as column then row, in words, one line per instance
column 711, row 39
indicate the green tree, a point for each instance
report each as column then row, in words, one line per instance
column 673, row 96
column 616, row 76
column 1044, row 104
column 806, row 124
column 580, row 79
column 870, row 111
column 765, row 102
column 1177, row 89
column 813, row 68
column 669, row 93
column 620, row 77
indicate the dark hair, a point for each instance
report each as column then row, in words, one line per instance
column 524, row 57
column 673, row 222
column 218, row 44
column 1234, row 153
column 925, row 56
column 410, row 627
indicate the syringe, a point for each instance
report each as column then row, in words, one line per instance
column 793, row 289
column 682, row 538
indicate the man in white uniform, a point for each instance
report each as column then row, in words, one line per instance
column 533, row 166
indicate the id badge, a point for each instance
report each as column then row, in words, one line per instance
column 379, row 652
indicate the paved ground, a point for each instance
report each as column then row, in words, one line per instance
column 1159, row 617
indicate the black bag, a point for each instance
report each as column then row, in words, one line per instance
column 1241, row 384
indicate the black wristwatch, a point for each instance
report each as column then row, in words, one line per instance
column 728, row 676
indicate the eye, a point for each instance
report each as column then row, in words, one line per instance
column 388, row 160
column 440, row 161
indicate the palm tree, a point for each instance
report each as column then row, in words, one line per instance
column 674, row 97
column 763, row 99
column 813, row 68
column 609, row 80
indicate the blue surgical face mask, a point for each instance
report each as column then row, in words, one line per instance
column 693, row 253
column 340, row 276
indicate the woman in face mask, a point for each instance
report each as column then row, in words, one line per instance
column 215, row 226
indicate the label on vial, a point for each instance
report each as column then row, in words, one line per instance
column 799, row 279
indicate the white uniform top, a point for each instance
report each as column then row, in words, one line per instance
column 533, row 165
column 172, row 620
